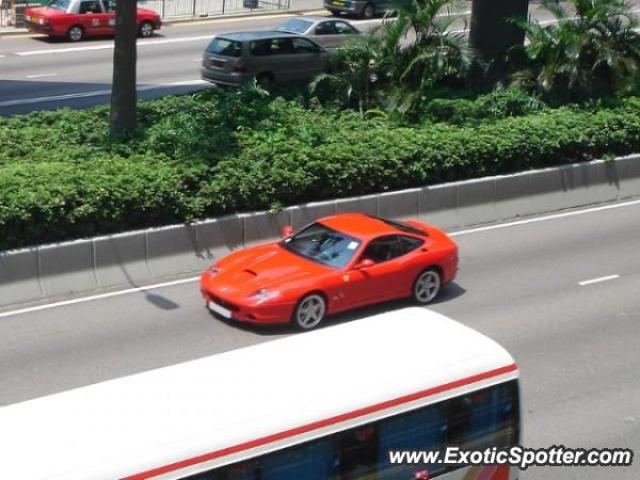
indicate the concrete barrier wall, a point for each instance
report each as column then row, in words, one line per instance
column 140, row 257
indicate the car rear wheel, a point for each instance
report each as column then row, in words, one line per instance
column 145, row 30
column 309, row 312
column 335, row 13
column 369, row 11
column 75, row 33
column 427, row 286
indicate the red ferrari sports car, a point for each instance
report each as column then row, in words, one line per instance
column 334, row 264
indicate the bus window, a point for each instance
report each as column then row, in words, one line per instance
column 357, row 454
column 238, row 471
column 482, row 419
column 421, row 430
column 313, row 461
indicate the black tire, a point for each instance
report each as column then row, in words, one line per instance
column 310, row 311
column 369, row 11
column 335, row 13
column 145, row 30
column 426, row 286
column 75, row 33
column 265, row 80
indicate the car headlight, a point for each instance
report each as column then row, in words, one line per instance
column 264, row 294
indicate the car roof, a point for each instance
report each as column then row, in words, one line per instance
column 360, row 225
column 257, row 35
column 310, row 18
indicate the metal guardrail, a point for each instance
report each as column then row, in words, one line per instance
column 177, row 9
column 173, row 9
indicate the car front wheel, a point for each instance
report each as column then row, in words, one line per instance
column 309, row 312
column 145, row 30
column 75, row 33
column 427, row 286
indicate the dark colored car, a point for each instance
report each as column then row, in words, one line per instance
column 359, row 8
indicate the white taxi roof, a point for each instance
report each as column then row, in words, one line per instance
column 247, row 401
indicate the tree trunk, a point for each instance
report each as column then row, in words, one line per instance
column 123, row 90
column 492, row 34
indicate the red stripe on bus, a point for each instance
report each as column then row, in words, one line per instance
column 321, row 423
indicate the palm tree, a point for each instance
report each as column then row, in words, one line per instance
column 594, row 52
column 492, row 34
column 395, row 67
column 352, row 83
column 437, row 52
column 123, row 90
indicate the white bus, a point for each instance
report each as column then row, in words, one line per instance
column 328, row 404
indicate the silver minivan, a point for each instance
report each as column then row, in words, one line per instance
column 268, row 56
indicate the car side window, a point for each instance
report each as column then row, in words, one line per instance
column 343, row 28
column 302, row 45
column 260, row 48
column 109, row 6
column 325, row 28
column 90, row 6
column 407, row 244
column 281, row 46
column 382, row 249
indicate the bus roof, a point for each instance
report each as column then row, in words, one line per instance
column 165, row 423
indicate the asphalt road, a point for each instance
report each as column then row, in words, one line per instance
column 40, row 73
column 33, row 69
column 577, row 345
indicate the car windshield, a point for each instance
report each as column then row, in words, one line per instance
column 225, row 47
column 295, row 25
column 62, row 5
column 323, row 245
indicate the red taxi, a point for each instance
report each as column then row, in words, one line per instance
column 77, row 19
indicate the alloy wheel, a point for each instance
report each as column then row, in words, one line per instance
column 310, row 312
column 146, row 29
column 427, row 286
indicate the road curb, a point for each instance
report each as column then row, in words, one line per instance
column 143, row 256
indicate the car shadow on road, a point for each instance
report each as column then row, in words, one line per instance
column 450, row 292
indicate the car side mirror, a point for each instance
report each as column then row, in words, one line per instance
column 286, row 231
column 364, row 263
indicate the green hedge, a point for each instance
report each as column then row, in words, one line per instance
column 212, row 153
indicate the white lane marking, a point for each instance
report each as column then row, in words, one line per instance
column 110, row 46
column 598, row 280
column 97, row 93
column 545, row 218
column 64, row 50
column 193, row 279
column 98, row 297
column 42, row 75
column 2, row 56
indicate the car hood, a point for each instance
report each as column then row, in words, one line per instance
column 267, row 266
